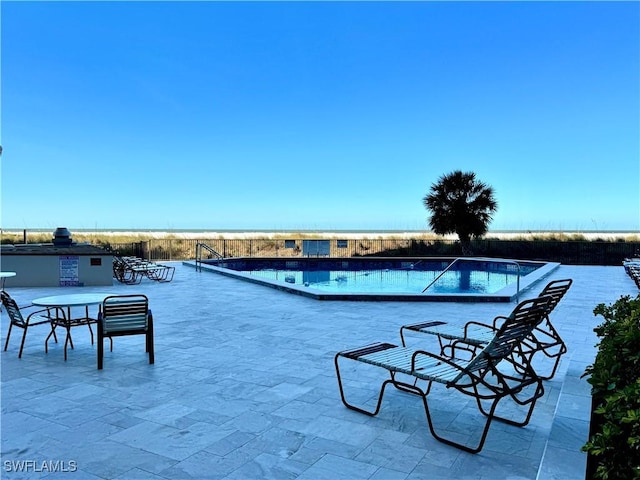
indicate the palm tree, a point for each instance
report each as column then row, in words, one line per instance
column 460, row 204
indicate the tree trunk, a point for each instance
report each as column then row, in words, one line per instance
column 465, row 243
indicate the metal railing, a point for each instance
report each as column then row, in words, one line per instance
column 199, row 249
column 565, row 252
column 480, row 259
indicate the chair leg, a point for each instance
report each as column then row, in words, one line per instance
column 53, row 332
column 55, row 337
column 24, row 337
column 550, row 375
column 538, row 391
column 46, row 340
column 149, row 340
column 551, row 346
column 100, row 349
column 353, row 407
column 100, row 355
column 461, row 446
column 6, row 343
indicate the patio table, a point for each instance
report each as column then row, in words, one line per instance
column 67, row 321
column 4, row 276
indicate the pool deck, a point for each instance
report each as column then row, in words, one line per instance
column 244, row 387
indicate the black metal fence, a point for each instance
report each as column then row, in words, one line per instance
column 566, row 252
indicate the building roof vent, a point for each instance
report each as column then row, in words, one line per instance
column 62, row 237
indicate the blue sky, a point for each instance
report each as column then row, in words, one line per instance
column 317, row 115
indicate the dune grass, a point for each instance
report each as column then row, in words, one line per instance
column 106, row 238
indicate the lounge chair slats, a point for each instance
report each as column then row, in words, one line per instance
column 376, row 347
column 493, row 374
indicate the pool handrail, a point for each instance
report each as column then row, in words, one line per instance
column 480, row 259
column 203, row 246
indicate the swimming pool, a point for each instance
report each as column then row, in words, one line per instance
column 406, row 279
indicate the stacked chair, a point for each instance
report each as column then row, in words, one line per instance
column 131, row 270
column 632, row 267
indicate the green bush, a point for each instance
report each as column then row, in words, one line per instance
column 614, row 443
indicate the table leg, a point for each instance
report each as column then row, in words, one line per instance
column 89, row 320
column 66, row 321
column 54, row 324
column 68, row 339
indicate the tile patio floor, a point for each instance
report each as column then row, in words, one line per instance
column 244, row 387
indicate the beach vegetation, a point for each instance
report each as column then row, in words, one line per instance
column 567, row 248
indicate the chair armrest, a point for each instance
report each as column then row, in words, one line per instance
column 31, row 305
column 500, row 319
column 40, row 310
column 440, row 359
column 479, row 324
column 495, row 325
column 53, row 313
column 450, row 349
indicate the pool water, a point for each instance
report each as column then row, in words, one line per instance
column 387, row 278
column 392, row 281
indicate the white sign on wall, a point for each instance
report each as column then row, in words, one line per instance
column 69, row 270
